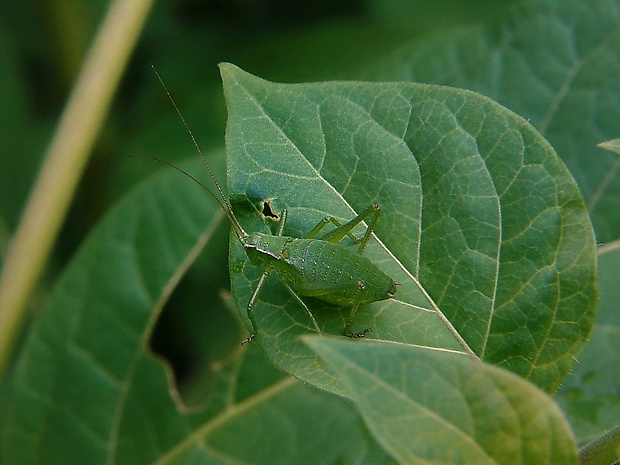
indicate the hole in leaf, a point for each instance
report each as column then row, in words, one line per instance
column 268, row 211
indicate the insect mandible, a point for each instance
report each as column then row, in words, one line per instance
column 314, row 267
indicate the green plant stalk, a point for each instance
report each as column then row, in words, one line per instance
column 602, row 451
column 64, row 162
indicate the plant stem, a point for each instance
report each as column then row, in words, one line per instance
column 65, row 160
column 602, row 451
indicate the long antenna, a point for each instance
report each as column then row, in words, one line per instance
column 224, row 203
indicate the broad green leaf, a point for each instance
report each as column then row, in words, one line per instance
column 429, row 406
column 87, row 388
column 554, row 62
column 590, row 396
column 481, row 222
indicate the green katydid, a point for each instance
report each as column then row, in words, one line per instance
column 314, row 267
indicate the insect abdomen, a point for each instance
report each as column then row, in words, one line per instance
column 334, row 273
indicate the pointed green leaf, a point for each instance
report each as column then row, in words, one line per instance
column 481, row 224
column 429, row 406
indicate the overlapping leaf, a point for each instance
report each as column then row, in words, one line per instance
column 428, row 406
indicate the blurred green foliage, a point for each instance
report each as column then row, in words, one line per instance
column 43, row 43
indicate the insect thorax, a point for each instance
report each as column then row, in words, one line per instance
column 263, row 249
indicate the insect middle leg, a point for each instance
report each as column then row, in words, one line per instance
column 347, row 329
column 343, row 230
column 252, row 303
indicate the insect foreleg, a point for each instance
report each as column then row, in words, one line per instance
column 259, row 285
column 252, row 302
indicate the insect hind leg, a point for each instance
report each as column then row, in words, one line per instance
column 303, row 304
column 347, row 329
column 324, row 222
column 343, row 230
